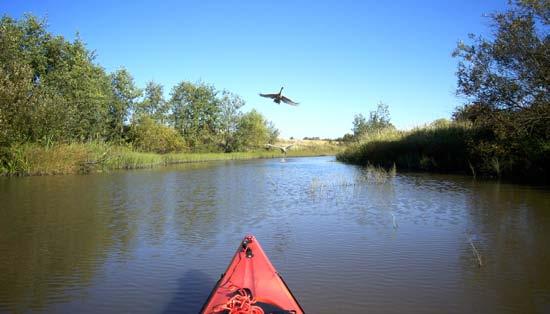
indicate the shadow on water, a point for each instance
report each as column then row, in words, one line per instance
column 193, row 289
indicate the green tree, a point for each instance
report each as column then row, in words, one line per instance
column 506, row 81
column 17, row 95
column 379, row 119
column 273, row 132
column 252, row 131
column 196, row 113
column 50, row 88
column 359, row 125
column 85, row 89
column 512, row 70
column 148, row 135
column 230, row 105
column 153, row 103
column 125, row 95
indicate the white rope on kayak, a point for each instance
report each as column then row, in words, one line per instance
column 241, row 303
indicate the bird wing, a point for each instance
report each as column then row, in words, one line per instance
column 275, row 146
column 270, row 95
column 289, row 146
column 287, row 100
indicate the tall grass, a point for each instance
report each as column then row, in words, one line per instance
column 446, row 146
column 34, row 159
column 441, row 147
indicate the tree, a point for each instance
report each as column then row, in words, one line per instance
column 379, row 119
column 510, row 72
column 359, row 125
column 125, row 94
column 273, row 132
column 196, row 113
column 86, row 90
column 50, row 89
column 252, row 131
column 230, row 105
column 148, row 135
column 153, row 103
column 506, row 81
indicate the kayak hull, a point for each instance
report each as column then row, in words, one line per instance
column 251, row 279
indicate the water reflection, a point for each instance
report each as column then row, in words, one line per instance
column 156, row 240
column 52, row 239
column 511, row 226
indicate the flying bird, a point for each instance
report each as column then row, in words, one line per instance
column 277, row 98
column 284, row 149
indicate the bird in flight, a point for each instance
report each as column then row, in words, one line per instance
column 284, row 149
column 277, row 98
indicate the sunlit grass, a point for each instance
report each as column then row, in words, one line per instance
column 440, row 146
column 34, row 159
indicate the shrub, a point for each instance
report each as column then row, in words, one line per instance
column 147, row 135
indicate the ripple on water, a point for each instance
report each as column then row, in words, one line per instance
column 157, row 240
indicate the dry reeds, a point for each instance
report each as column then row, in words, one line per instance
column 476, row 253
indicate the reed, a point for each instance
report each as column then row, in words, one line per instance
column 454, row 147
column 375, row 175
column 394, row 221
column 476, row 253
column 441, row 147
column 393, row 170
column 92, row 157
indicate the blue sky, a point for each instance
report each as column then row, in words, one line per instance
column 337, row 58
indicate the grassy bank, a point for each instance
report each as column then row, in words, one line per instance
column 451, row 147
column 33, row 159
column 429, row 148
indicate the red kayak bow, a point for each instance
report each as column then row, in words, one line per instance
column 251, row 285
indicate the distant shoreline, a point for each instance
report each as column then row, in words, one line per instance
column 96, row 157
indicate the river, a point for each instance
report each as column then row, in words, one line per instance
column 156, row 241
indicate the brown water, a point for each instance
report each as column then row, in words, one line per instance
column 155, row 241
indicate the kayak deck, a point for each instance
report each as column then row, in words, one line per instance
column 251, row 285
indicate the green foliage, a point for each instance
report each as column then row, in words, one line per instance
column 210, row 120
column 510, row 71
column 452, row 147
column 272, row 131
column 153, row 104
column 507, row 79
column 359, row 125
column 50, row 90
column 150, row 136
column 348, row 138
column 124, row 101
column 505, row 129
column 230, row 114
column 35, row 159
column 52, row 94
column 441, row 123
column 96, row 156
column 252, row 131
column 439, row 148
column 196, row 113
column 379, row 119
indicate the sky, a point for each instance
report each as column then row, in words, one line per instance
column 336, row 58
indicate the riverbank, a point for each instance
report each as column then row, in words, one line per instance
column 82, row 158
column 452, row 147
